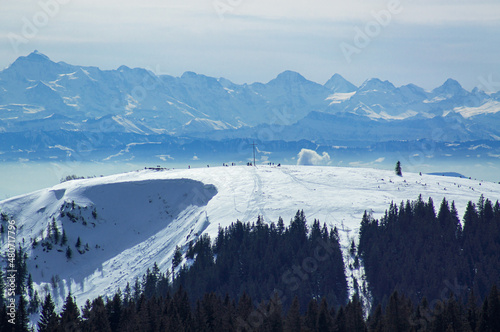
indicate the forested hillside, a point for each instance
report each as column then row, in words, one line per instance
column 421, row 254
column 425, row 271
column 261, row 259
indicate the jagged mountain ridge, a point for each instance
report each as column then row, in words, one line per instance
column 34, row 89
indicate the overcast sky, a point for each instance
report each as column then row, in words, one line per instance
column 423, row 42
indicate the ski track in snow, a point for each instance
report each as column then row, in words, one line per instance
column 144, row 215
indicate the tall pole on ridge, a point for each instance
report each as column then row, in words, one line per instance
column 253, row 144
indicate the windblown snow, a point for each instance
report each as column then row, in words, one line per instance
column 127, row 222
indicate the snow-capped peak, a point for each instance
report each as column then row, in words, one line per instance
column 339, row 84
column 288, row 76
column 37, row 56
column 123, row 68
column 449, row 89
column 375, row 84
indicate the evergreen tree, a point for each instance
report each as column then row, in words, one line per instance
column 55, row 231
column 354, row 315
column 127, row 296
column 34, row 304
column 472, row 310
column 48, row 318
column 182, row 307
column 2, row 288
column 98, row 320
column 340, row 321
column 281, row 226
column 310, row 320
column 22, row 318
column 137, row 290
column 70, row 316
column 375, row 321
column 21, row 269
column 324, row 320
column 69, row 253
column 150, row 281
column 273, row 320
column 64, row 238
column 398, row 169
column 484, row 318
column 397, row 313
column 29, row 285
column 494, row 309
column 177, row 259
column 244, row 306
column 116, row 312
column 49, row 230
column 207, row 312
column 86, row 313
column 4, row 323
column 293, row 321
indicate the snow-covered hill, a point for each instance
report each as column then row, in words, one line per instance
column 127, row 222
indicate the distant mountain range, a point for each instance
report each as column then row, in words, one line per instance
column 56, row 111
column 37, row 93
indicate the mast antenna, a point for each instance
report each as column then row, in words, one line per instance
column 254, row 145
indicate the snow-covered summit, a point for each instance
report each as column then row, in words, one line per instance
column 449, row 89
column 339, row 84
column 126, row 222
column 375, row 84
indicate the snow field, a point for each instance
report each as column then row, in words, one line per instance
column 141, row 216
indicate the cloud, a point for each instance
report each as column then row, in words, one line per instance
column 311, row 157
column 165, row 157
column 368, row 163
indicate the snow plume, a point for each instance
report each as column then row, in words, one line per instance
column 311, row 157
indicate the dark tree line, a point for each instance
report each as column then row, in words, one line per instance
column 174, row 312
column 421, row 254
column 210, row 313
column 260, row 259
column 425, row 272
column 448, row 314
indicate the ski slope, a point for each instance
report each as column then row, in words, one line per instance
column 126, row 222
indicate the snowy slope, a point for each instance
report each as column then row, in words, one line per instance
column 487, row 108
column 141, row 216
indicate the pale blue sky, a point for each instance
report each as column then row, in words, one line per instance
column 423, row 42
